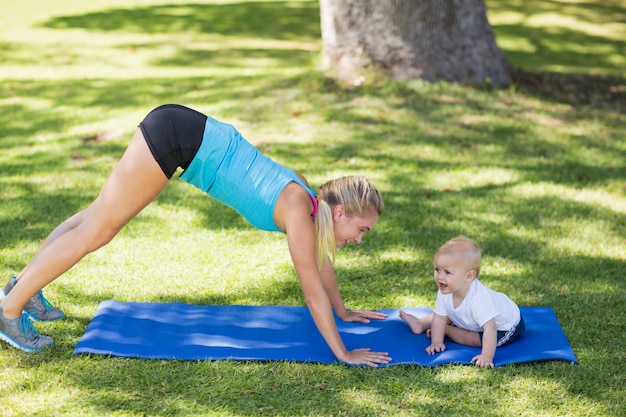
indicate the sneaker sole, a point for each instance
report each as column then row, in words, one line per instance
column 34, row 318
column 7, row 338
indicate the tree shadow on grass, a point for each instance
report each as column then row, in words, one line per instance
column 566, row 37
column 300, row 20
column 600, row 91
column 381, row 142
column 264, row 20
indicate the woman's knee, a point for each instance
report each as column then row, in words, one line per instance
column 96, row 228
column 95, row 238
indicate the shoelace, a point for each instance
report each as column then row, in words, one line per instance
column 46, row 304
column 26, row 326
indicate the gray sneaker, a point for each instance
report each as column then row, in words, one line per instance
column 37, row 308
column 21, row 333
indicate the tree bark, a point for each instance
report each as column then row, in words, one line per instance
column 407, row 39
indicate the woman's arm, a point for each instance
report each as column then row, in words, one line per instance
column 292, row 215
column 315, row 295
column 329, row 281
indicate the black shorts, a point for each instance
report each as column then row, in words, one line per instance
column 174, row 134
column 510, row 336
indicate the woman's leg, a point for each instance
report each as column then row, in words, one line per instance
column 133, row 184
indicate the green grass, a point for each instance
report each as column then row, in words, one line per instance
column 535, row 173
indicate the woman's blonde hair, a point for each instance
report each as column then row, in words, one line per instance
column 357, row 195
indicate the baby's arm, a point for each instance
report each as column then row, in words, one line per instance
column 490, row 339
column 437, row 333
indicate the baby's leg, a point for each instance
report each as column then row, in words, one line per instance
column 463, row 337
column 417, row 325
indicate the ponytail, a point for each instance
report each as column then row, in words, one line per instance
column 358, row 196
column 325, row 244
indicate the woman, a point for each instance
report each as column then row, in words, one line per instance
column 218, row 160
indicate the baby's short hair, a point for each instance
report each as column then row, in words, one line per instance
column 465, row 247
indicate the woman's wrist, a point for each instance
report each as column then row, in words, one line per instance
column 342, row 313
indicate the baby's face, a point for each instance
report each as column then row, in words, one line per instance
column 451, row 274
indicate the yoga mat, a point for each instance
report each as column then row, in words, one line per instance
column 286, row 333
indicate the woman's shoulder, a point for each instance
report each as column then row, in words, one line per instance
column 293, row 207
column 302, row 178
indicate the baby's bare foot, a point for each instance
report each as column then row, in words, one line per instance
column 414, row 323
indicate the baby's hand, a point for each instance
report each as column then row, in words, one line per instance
column 435, row 348
column 483, row 361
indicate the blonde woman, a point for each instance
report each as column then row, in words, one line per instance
column 218, row 160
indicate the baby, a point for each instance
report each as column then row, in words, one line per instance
column 466, row 311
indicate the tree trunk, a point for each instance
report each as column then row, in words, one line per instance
column 407, row 39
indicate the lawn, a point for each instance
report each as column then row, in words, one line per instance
column 535, row 173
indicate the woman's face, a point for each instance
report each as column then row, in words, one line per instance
column 350, row 229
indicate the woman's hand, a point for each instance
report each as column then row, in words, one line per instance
column 362, row 316
column 364, row 356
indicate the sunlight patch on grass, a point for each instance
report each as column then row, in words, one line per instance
column 598, row 197
column 505, row 17
column 31, row 103
column 488, row 217
column 401, row 301
column 51, row 183
column 47, row 403
column 227, row 43
column 614, row 30
column 400, row 254
column 466, row 374
column 470, row 178
column 605, row 240
column 501, row 266
column 360, row 399
column 517, row 44
column 547, row 397
column 213, row 263
column 616, row 59
column 49, row 73
column 128, row 56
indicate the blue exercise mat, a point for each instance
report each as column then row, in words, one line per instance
column 284, row 333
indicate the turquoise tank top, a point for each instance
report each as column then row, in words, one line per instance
column 234, row 172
